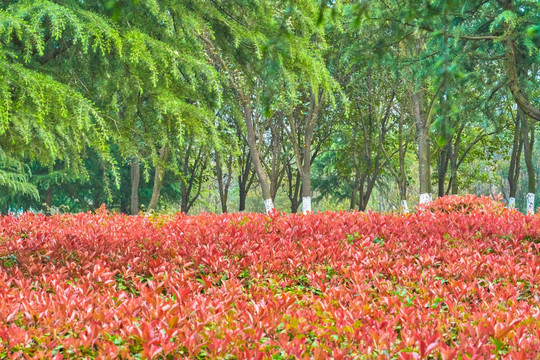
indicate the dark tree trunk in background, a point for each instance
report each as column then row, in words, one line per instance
column 246, row 176
column 242, row 194
column 245, row 180
column 124, row 204
column 453, row 175
column 135, row 178
column 444, row 159
column 49, row 196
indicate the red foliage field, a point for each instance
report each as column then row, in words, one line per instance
column 456, row 280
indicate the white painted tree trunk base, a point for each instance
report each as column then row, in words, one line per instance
column 404, row 207
column 511, row 203
column 306, row 204
column 530, row 204
column 425, row 198
column 268, row 205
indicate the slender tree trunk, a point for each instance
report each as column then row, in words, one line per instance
column 135, row 178
column 403, row 190
column 515, row 160
column 527, row 133
column 306, row 176
column 159, row 175
column 276, row 172
column 294, row 190
column 49, row 196
column 454, row 162
column 242, row 197
column 221, row 184
column 245, row 178
column 183, row 197
column 316, row 105
column 354, row 189
column 422, row 131
column 294, row 206
column 453, row 177
column 192, row 177
column 362, row 203
column 256, row 159
column 402, row 176
column 366, row 187
column 444, row 158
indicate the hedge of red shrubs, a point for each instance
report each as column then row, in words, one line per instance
column 456, row 280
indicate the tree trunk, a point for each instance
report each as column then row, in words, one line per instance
column 527, row 133
column 402, row 176
column 294, row 191
column 49, row 196
column 221, row 185
column 354, row 189
column 159, row 175
column 306, row 176
column 453, row 177
column 422, row 132
column 316, row 105
column 444, row 159
column 515, row 160
column 192, row 176
column 242, row 194
column 245, row 178
column 256, row 159
column 303, row 155
column 363, row 196
column 513, row 82
column 454, row 162
column 294, row 206
column 135, row 178
column 361, row 203
column 276, row 172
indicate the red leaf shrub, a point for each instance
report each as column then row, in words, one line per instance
column 466, row 203
column 441, row 284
